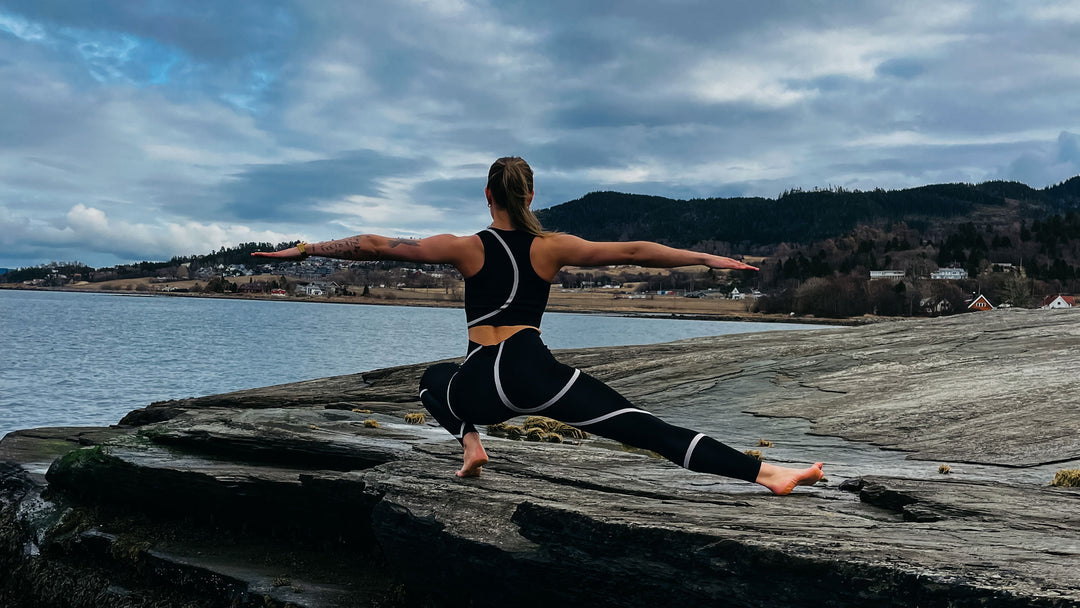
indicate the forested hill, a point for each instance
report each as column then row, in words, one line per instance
column 804, row 216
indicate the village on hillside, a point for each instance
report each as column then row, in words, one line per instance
column 584, row 288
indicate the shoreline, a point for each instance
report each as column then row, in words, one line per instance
column 556, row 304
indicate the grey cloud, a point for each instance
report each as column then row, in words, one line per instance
column 1069, row 148
column 292, row 192
column 229, row 51
column 901, row 67
column 919, row 164
column 701, row 21
column 33, row 111
column 1048, row 165
column 453, row 195
column 581, row 45
column 218, row 31
column 455, row 188
column 575, row 154
column 607, row 111
column 586, row 91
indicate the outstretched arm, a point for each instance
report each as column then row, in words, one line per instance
column 440, row 249
column 574, row 251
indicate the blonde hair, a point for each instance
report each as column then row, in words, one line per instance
column 510, row 181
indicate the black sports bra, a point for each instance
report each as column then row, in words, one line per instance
column 506, row 290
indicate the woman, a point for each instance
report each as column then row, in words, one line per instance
column 508, row 371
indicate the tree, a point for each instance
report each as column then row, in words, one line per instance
column 841, row 296
column 287, row 285
column 1016, row 291
column 220, row 284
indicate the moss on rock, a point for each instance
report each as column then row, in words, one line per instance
column 1067, row 478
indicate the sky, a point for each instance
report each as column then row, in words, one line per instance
column 142, row 130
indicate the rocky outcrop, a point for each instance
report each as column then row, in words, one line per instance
column 284, row 496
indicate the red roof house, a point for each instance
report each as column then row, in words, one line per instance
column 1058, row 301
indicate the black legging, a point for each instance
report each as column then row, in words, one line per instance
column 520, row 376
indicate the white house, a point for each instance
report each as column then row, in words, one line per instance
column 736, row 294
column 1058, row 301
column 954, row 274
column 886, row 274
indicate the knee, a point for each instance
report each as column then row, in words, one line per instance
column 438, row 376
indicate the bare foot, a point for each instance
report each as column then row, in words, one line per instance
column 782, row 480
column 475, row 456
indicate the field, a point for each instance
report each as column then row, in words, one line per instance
column 593, row 300
column 609, row 301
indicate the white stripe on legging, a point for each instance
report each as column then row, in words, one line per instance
column 513, row 290
column 448, row 396
column 529, row 410
column 473, row 352
column 626, row 410
column 690, row 450
column 559, row 395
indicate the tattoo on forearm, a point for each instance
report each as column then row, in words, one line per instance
column 356, row 248
column 341, row 248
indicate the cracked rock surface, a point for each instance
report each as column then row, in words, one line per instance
column 288, row 495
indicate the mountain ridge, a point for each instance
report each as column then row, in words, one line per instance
column 802, row 217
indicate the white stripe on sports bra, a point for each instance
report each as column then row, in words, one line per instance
column 513, row 289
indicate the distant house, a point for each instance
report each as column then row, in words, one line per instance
column 252, row 287
column 886, row 274
column 953, row 274
column 980, row 303
column 935, row 306
column 736, row 294
column 1058, row 301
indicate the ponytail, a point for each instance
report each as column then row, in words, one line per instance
column 510, row 180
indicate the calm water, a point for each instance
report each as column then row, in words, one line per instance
column 86, row 359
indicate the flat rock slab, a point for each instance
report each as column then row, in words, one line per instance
column 991, row 393
column 892, row 542
column 996, row 388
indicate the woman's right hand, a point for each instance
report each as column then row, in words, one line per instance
column 292, row 253
column 719, row 261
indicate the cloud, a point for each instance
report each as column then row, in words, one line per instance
column 205, row 29
column 900, row 67
column 91, row 237
column 1047, row 165
column 295, row 191
column 334, row 116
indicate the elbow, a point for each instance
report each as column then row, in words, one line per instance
column 362, row 247
column 367, row 249
column 637, row 253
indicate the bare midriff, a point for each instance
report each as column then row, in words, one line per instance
column 488, row 335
